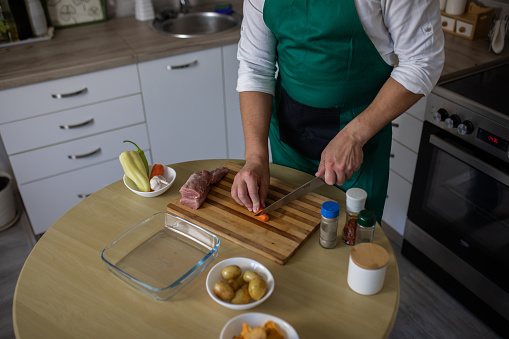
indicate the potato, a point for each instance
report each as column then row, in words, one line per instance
column 236, row 283
column 241, row 296
column 223, row 291
column 231, row 272
column 257, row 288
column 250, row 275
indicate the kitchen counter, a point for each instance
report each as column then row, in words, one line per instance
column 65, row 290
column 123, row 41
column 95, row 47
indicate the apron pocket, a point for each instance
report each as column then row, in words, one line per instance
column 307, row 129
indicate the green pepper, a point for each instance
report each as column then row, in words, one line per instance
column 142, row 155
column 135, row 170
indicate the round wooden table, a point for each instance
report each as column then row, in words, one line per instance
column 65, row 290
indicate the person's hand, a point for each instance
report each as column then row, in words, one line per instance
column 251, row 184
column 340, row 159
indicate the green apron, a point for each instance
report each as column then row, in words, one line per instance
column 329, row 72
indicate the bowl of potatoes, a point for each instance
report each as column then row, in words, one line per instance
column 239, row 283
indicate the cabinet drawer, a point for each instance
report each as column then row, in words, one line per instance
column 47, row 200
column 448, row 23
column 72, row 124
column 464, row 28
column 403, row 161
column 396, row 205
column 407, row 130
column 72, row 155
column 32, row 100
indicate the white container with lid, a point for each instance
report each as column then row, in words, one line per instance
column 455, row 7
column 366, row 268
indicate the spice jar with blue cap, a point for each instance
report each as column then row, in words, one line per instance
column 329, row 224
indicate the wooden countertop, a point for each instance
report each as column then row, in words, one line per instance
column 65, row 290
column 124, row 41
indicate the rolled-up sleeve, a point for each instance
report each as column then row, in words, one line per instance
column 256, row 51
column 416, row 32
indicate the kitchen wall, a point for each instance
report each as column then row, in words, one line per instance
column 122, row 8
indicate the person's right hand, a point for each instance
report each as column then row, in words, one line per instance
column 251, row 184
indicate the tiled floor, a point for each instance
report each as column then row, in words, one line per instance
column 426, row 311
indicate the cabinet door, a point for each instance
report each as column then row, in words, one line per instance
column 235, row 134
column 403, row 161
column 407, row 130
column 184, row 104
column 396, row 205
column 47, row 200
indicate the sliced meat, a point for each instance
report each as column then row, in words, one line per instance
column 195, row 190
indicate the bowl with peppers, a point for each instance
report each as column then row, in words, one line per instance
column 145, row 180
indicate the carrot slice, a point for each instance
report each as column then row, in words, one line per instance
column 264, row 217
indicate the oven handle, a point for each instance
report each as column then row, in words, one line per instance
column 482, row 166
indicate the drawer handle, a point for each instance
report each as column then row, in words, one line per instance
column 394, row 124
column 192, row 63
column 79, row 156
column 83, row 196
column 67, row 95
column 89, row 121
column 392, row 155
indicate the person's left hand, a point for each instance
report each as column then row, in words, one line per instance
column 340, row 159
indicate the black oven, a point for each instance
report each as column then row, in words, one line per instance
column 457, row 229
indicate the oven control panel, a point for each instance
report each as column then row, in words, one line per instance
column 474, row 127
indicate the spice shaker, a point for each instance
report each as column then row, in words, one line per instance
column 365, row 226
column 355, row 200
column 329, row 224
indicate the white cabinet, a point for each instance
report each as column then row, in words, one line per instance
column 63, row 137
column 234, row 132
column 406, row 135
column 184, row 105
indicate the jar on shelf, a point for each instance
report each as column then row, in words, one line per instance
column 355, row 201
column 365, row 227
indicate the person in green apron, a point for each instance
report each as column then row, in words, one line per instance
column 317, row 78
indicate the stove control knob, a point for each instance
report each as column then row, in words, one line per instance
column 453, row 121
column 440, row 115
column 466, row 127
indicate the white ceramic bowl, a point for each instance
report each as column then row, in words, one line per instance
column 170, row 175
column 245, row 264
column 234, row 326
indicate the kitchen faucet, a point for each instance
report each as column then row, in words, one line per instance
column 184, row 6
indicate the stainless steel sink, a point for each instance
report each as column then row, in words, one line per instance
column 195, row 24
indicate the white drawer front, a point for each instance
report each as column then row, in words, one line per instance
column 448, row 23
column 407, row 130
column 396, row 205
column 72, row 124
column 418, row 110
column 403, row 161
column 464, row 28
column 72, row 155
column 32, row 100
column 47, row 200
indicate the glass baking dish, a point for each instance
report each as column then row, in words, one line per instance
column 161, row 255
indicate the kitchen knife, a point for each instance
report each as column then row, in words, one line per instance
column 299, row 192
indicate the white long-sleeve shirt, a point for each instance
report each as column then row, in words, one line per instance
column 408, row 29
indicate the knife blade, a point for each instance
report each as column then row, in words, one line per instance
column 299, row 192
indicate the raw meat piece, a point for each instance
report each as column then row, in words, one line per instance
column 196, row 184
column 195, row 190
column 194, row 203
column 218, row 174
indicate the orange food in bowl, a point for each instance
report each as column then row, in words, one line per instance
column 268, row 331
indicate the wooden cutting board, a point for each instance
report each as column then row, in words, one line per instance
column 277, row 239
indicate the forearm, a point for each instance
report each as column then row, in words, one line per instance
column 391, row 101
column 256, row 109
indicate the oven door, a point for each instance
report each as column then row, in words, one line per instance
column 460, row 197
